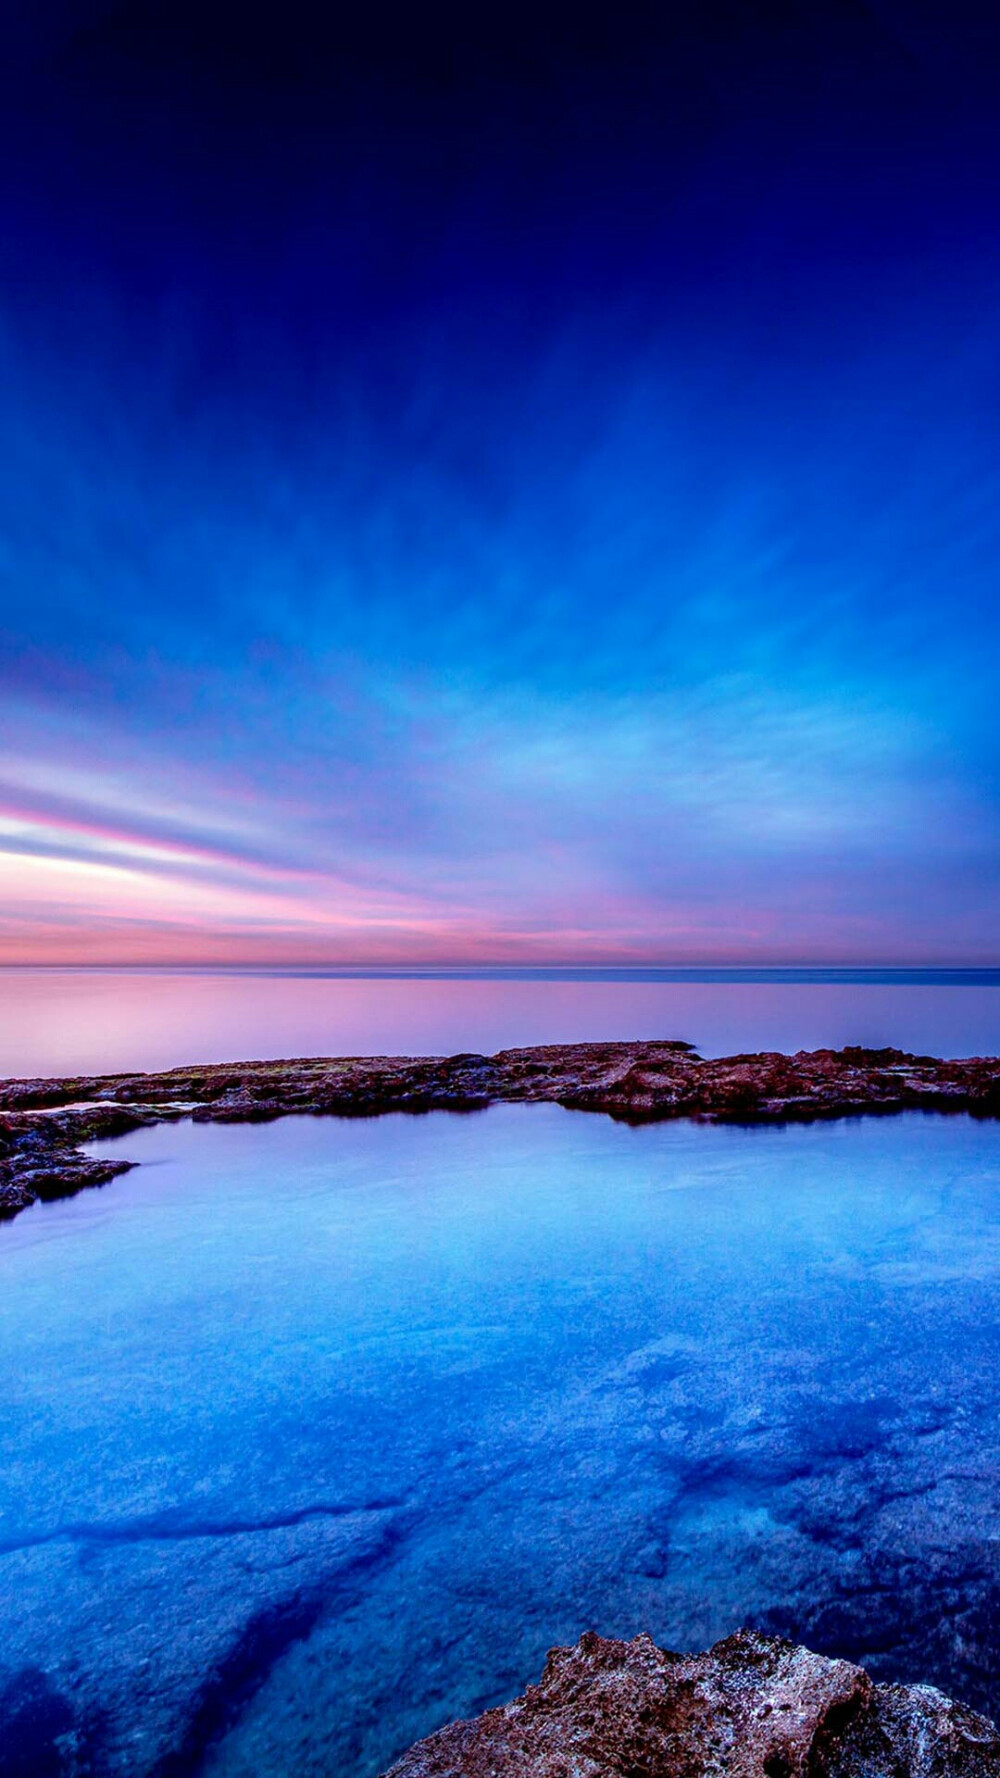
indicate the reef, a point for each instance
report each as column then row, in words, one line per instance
column 751, row 1707
column 44, row 1122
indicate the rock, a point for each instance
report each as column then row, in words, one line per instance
column 142, row 1688
column 40, row 1159
column 751, row 1707
column 43, row 1122
column 14, row 1197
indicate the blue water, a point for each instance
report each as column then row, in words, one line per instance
column 317, row 1434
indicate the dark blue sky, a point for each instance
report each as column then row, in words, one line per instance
column 513, row 488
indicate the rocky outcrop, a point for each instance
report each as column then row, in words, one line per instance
column 751, row 1707
column 40, row 1155
column 42, row 1122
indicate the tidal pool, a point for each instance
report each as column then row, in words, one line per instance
column 317, row 1434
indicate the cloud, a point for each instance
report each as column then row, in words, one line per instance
column 407, row 562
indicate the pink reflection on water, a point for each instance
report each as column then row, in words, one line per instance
column 59, row 1022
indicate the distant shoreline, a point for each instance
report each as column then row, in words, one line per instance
column 44, row 1122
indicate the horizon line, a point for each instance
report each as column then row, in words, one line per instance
column 530, row 967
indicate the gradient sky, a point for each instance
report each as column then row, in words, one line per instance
column 509, row 490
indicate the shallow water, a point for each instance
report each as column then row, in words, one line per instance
column 317, row 1434
column 83, row 1021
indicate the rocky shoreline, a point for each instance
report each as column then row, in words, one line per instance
column 44, row 1122
column 751, row 1707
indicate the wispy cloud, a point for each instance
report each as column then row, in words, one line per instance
column 401, row 561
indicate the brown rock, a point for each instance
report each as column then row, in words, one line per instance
column 751, row 1707
column 42, row 1122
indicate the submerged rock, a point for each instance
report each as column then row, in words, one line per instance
column 751, row 1707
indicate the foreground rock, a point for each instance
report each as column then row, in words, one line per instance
column 42, row 1122
column 752, row 1707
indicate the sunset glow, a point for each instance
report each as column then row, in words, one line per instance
column 407, row 559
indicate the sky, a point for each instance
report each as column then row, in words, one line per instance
column 505, row 488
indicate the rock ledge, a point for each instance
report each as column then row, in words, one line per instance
column 42, row 1122
column 751, row 1707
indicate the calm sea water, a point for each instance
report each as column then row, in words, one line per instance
column 317, row 1434
column 92, row 1021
